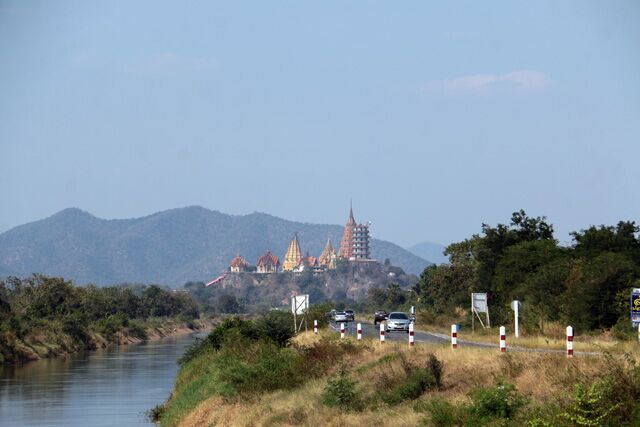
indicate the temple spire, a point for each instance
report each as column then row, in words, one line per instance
column 293, row 256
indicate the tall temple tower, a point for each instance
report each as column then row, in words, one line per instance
column 294, row 255
column 355, row 240
column 328, row 257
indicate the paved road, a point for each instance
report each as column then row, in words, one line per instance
column 371, row 331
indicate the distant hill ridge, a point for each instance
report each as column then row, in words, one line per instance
column 169, row 247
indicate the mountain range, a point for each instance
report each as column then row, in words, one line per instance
column 431, row 251
column 169, row 247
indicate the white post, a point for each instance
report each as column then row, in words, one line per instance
column 342, row 330
column 454, row 337
column 516, row 312
column 569, row 341
column 359, row 328
column 315, row 327
column 381, row 332
column 503, row 340
column 411, row 335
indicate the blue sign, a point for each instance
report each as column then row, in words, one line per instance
column 635, row 305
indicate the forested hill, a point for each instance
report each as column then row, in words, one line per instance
column 169, row 247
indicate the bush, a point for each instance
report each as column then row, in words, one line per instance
column 340, row 392
column 258, row 367
column 277, row 326
column 414, row 384
column 623, row 330
column 501, row 401
column 442, row 413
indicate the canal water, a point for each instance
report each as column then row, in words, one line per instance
column 112, row 387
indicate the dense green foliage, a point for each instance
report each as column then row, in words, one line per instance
column 587, row 284
column 42, row 305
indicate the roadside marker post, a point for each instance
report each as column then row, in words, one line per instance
column 412, row 337
column 381, row 332
column 315, row 327
column 359, row 330
column 454, row 337
column 569, row 341
column 503, row 340
column 342, row 331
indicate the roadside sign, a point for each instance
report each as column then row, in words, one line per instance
column 516, row 305
column 479, row 302
column 635, row 306
column 299, row 304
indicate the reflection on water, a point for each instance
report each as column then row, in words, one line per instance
column 104, row 388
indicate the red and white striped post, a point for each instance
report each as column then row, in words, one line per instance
column 503, row 340
column 342, row 330
column 315, row 327
column 381, row 332
column 569, row 341
column 359, row 331
column 412, row 337
column 454, row 337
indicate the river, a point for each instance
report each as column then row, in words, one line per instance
column 112, row 387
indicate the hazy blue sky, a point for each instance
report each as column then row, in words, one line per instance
column 433, row 116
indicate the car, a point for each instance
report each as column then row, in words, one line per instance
column 340, row 316
column 398, row 321
column 351, row 315
column 379, row 316
column 329, row 314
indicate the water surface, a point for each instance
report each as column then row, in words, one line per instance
column 112, row 387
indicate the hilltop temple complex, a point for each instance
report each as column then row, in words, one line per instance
column 354, row 247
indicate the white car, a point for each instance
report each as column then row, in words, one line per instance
column 340, row 316
column 398, row 321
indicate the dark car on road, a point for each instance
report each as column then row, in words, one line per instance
column 351, row 315
column 379, row 316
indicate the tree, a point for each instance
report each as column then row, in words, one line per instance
column 228, row 304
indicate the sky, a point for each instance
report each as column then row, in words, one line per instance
column 434, row 117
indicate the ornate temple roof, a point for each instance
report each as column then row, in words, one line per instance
column 293, row 255
column 327, row 254
column 239, row 262
column 267, row 260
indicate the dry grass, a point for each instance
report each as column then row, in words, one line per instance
column 542, row 377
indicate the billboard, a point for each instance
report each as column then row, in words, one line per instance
column 299, row 304
column 635, row 305
column 479, row 302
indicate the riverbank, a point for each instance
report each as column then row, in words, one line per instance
column 345, row 382
column 51, row 339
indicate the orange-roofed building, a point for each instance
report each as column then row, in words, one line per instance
column 238, row 264
column 268, row 263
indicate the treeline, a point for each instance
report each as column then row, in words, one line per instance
column 41, row 316
column 586, row 284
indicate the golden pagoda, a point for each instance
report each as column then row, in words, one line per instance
column 328, row 256
column 293, row 256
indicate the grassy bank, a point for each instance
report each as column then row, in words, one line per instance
column 49, row 316
column 322, row 380
column 51, row 338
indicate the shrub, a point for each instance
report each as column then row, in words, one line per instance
column 276, row 326
column 442, row 413
column 252, row 368
column 414, row 384
column 501, row 401
column 623, row 330
column 340, row 392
